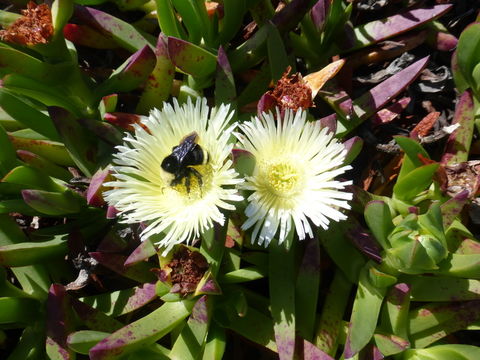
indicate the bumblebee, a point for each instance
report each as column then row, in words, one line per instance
column 182, row 159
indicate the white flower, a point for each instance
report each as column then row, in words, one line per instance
column 143, row 191
column 294, row 176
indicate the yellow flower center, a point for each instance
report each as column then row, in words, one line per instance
column 283, row 178
column 196, row 185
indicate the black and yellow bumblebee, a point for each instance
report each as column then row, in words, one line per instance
column 182, row 159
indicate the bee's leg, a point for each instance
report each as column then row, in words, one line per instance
column 187, row 182
column 198, row 176
column 177, row 179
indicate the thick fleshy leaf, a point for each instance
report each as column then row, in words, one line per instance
column 461, row 265
column 282, row 297
column 190, row 342
column 373, row 100
column 307, row 287
column 122, row 32
column 390, row 344
column 225, row 91
column 415, row 182
column 395, row 311
column 28, row 253
column 444, row 352
column 33, row 279
column 277, row 54
column 331, row 319
column 215, row 343
column 191, row 58
column 53, row 203
column 427, row 288
column 234, row 11
column 50, row 150
column 123, row 301
column 379, row 220
column 366, row 309
column 458, row 143
column 244, row 274
column 133, row 72
column 44, row 165
column 27, row 115
column 82, row 341
column 435, row 321
column 59, row 324
column 139, row 333
column 31, row 178
column 143, row 251
column 159, row 83
column 85, row 35
column 380, row 30
column 96, row 188
column 95, row 319
column 468, row 55
column 79, row 144
column 139, row 272
column 18, row 310
column 8, row 159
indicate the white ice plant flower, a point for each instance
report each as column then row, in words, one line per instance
column 293, row 182
column 143, row 191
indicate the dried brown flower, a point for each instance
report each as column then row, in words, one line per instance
column 186, row 270
column 34, row 27
column 291, row 92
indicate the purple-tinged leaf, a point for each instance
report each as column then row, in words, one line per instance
column 453, row 207
column 444, row 41
column 123, row 301
column 364, row 318
column 443, row 319
column 139, row 272
column 428, row 288
column 190, row 342
column 282, row 297
column 95, row 319
column 58, row 324
column 458, row 143
column 391, row 112
column 366, row 243
column 307, row 287
column 291, row 15
column 44, row 165
column 108, row 104
column 112, row 242
column 50, row 150
column 133, row 72
column 111, row 212
column 79, row 144
column 191, row 58
column 159, row 83
column 82, row 341
column 383, row 29
column 366, row 105
column 319, row 13
column 390, row 344
column 144, row 331
column 266, row 104
column 143, row 251
column 338, row 99
column 53, row 203
column 311, row 352
column 31, row 178
column 225, row 91
column 123, row 33
column 395, row 310
column 208, row 285
column 329, row 122
column 105, row 131
column 331, row 319
column 95, row 188
column 87, row 36
column 353, row 145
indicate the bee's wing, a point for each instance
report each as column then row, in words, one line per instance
column 185, row 146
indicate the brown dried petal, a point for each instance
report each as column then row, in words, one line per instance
column 34, row 27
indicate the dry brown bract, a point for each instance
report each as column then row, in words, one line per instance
column 34, row 27
column 292, row 92
column 463, row 176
